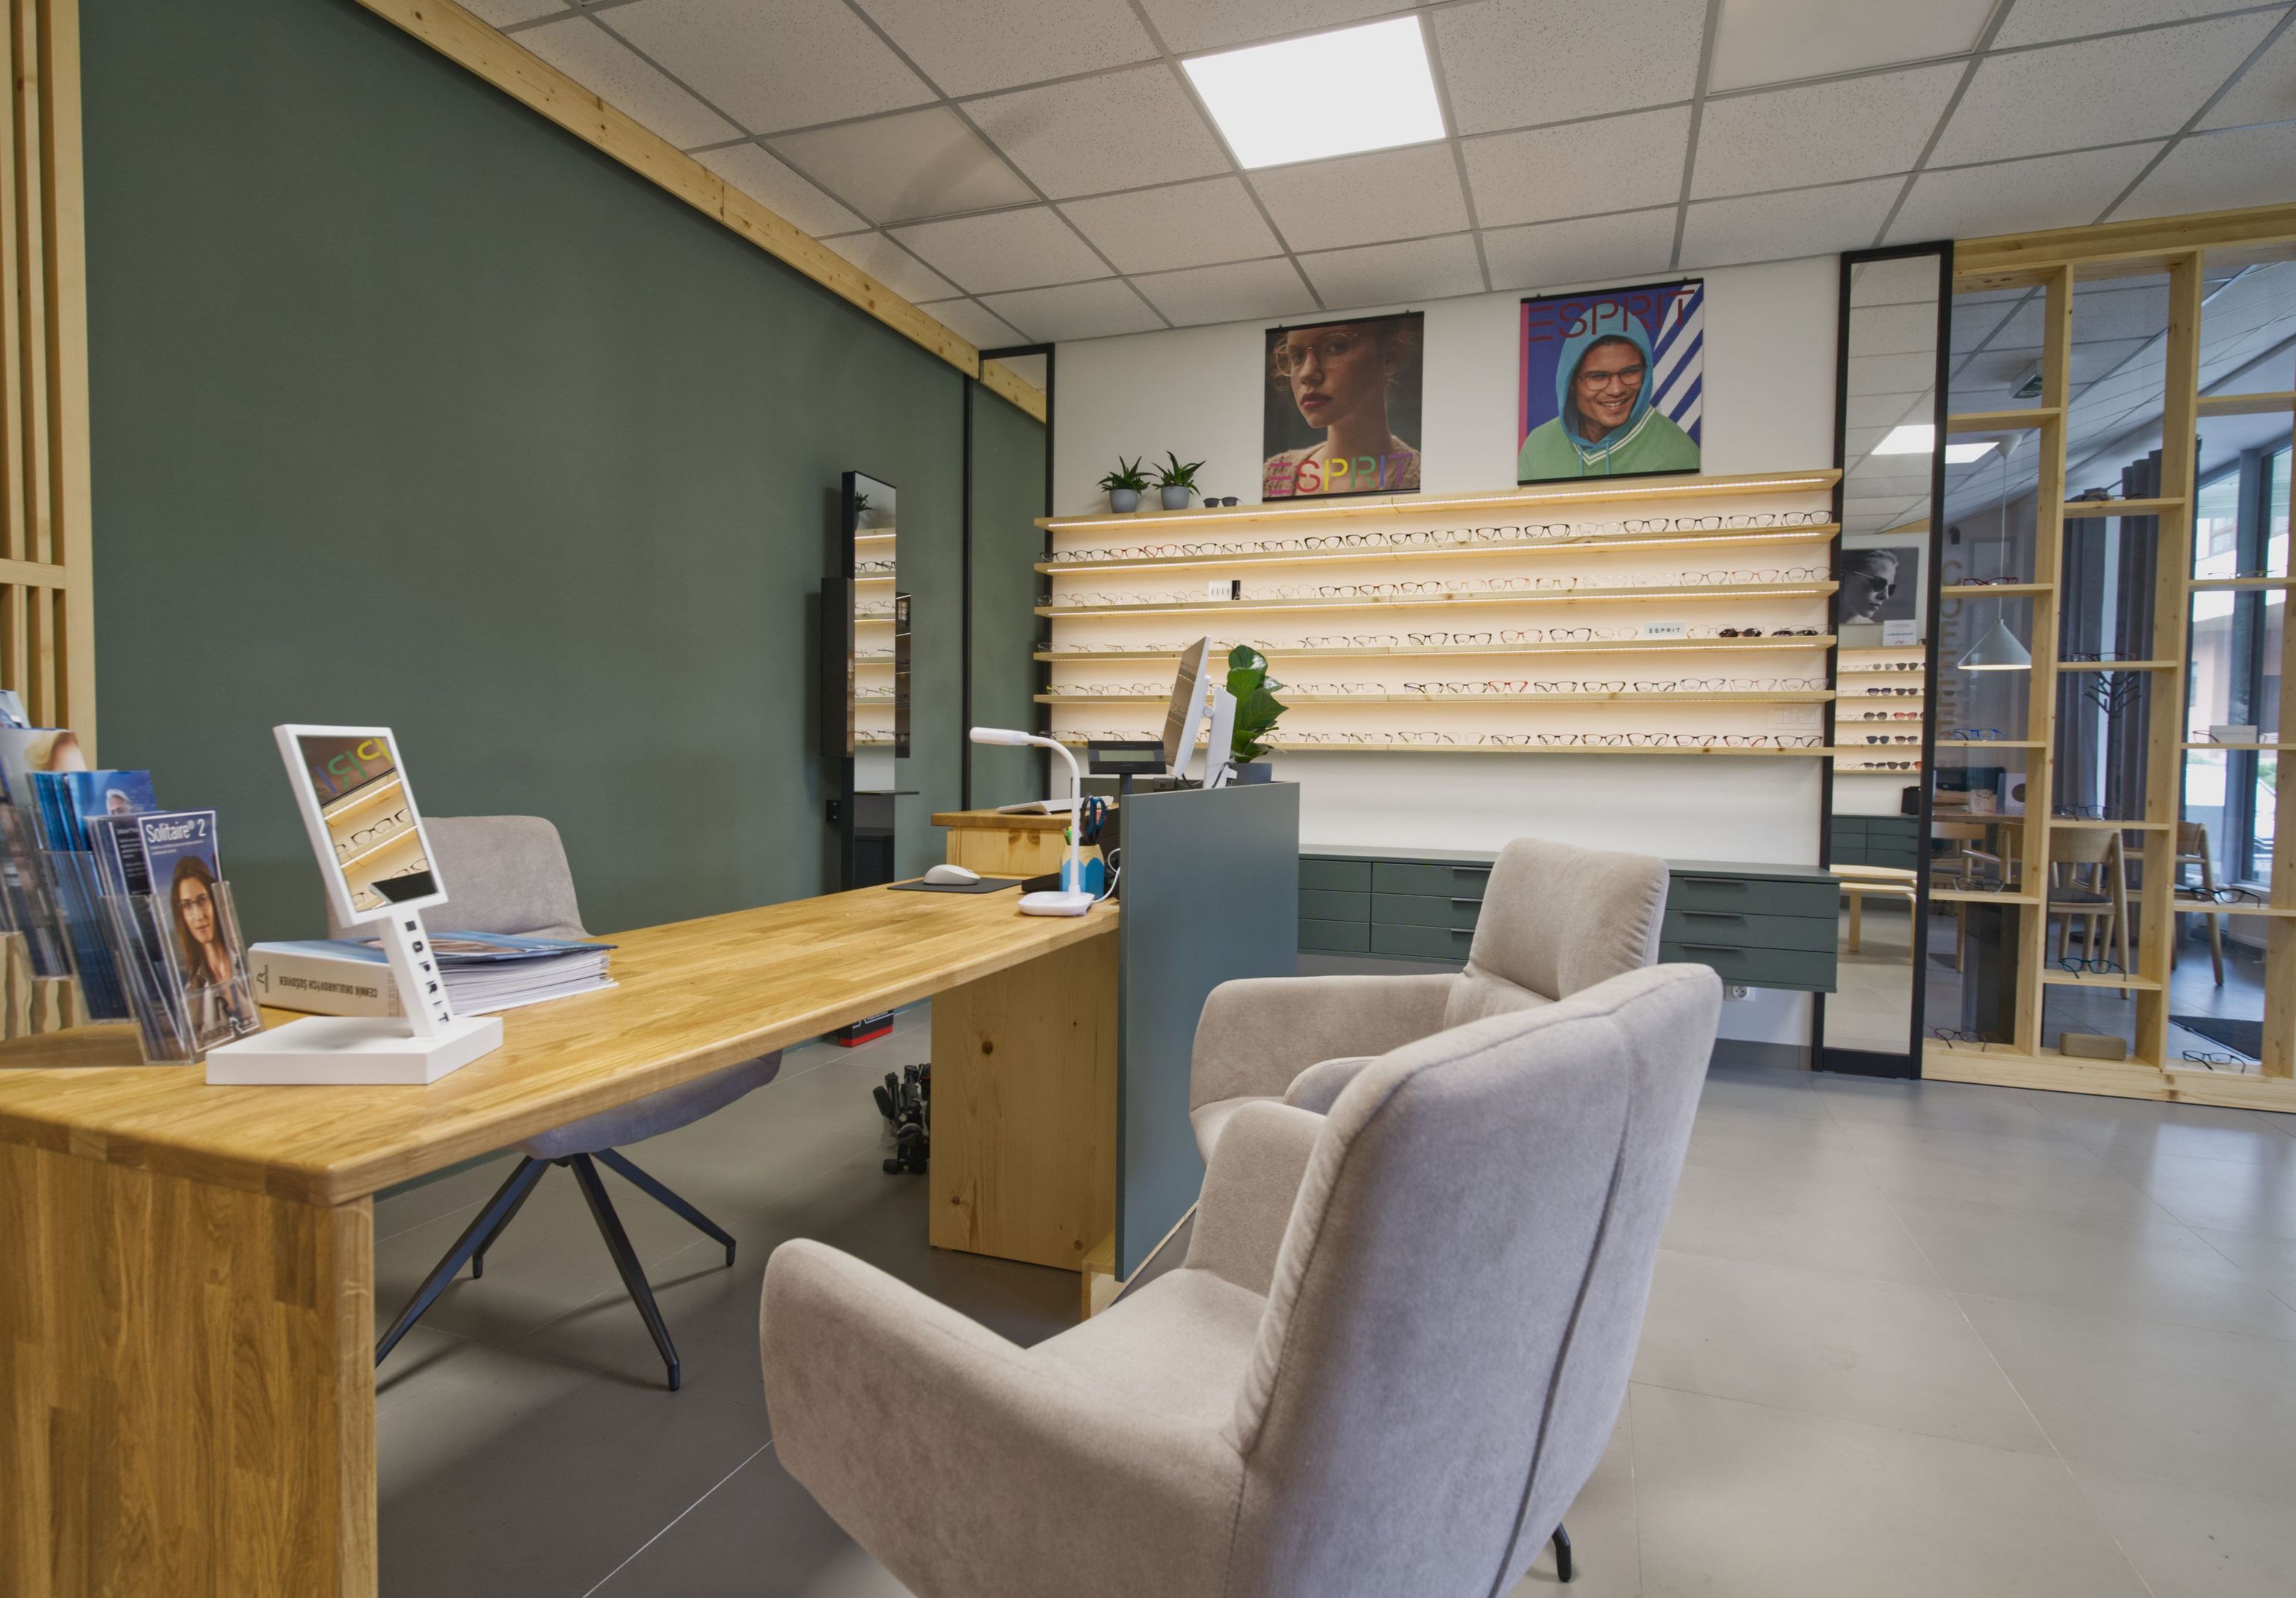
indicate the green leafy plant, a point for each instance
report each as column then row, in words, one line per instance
column 1256, row 707
column 1175, row 473
column 1127, row 475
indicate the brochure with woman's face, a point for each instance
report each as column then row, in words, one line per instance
column 210, row 964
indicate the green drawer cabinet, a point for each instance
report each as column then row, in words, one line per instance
column 1763, row 926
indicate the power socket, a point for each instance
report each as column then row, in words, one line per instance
column 1733, row 991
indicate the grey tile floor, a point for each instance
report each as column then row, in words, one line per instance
column 1904, row 1339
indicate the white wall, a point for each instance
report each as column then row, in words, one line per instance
column 1769, row 382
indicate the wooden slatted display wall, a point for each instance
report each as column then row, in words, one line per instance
column 2175, row 247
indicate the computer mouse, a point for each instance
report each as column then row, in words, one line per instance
column 951, row 876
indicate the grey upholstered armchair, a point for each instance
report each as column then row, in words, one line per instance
column 509, row 874
column 1393, row 1356
column 1554, row 920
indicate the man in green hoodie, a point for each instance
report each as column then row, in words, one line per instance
column 1604, row 425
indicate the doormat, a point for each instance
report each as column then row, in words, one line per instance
column 2242, row 1038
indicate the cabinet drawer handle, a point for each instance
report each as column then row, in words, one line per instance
column 1461, row 931
column 1724, row 881
column 1717, row 914
column 1476, row 871
column 1727, row 948
column 1456, row 900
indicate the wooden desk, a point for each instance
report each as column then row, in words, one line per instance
column 996, row 845
column 186, row 1302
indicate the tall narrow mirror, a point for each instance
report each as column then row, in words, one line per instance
column 1892, row 438
column 864, row 703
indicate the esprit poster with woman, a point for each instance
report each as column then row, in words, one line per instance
column 1342, row 408
column 1611, row 382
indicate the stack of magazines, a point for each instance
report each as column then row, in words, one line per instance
column 485, row 972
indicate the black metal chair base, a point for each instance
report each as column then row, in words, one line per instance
column 511, row 1197
column 1563, row 1571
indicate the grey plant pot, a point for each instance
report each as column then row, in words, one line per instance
column 1176, row 499
column 1255, row 771
column 1121, row 500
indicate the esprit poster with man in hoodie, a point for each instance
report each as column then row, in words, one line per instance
column 1611, row 382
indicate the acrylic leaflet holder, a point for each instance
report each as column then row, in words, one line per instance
column 176, row 1021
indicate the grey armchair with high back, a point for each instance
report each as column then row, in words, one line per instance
column 1393, row 1356
column 508, row 873
column 1555, row 919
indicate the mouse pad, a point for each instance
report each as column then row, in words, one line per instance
column 985, row 885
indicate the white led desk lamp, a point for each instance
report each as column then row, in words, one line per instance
column 1063, row 901
column 376, row 862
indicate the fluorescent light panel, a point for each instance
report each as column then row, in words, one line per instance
column 1920, row 438
column 1365, row 88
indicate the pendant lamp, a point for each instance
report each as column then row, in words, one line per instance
column 1998, row 650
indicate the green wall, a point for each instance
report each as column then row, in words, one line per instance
column 1008, row 494
column 409, row 408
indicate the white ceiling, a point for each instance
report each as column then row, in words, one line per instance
column 1040, row 169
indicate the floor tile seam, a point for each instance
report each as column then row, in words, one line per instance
column 2266, row 1337
column 671, row 1524
column 1890, row 1205
column 2050, row 1452
column 2081, row 1492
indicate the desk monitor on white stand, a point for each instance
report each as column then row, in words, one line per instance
column 374, row 860
column 1188, row 713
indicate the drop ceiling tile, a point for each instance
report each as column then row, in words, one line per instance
column 2096, row 91
column 2265, row 92
column 2092, row 361
column 2038, row 22
column 612, row 70
column 1999, row 363
column 1874, row 410
column 1776, row 41
column 2217, row 171
column 920, row 163
column 1122, row 130
column 1006, row 249
column 1773, row 228
column 773, row 185
column 1972, row 324
column 1511, row 63
column 975, row 325
column 1544, row 173
column 1387, row 195
column 1190, row 25
column 1024, row 41
column 1094, row 310
column 2048, row 191
column 1392, row 274
column 1238, row 292
column 501, row 14
column 772, row 63
column 1879, row 329
column 1907, row 280
column 893, row 266
column 2138, row 311
column 1906, row 373
column 1186, row 225
column 1820, row 133
column 1557, row 255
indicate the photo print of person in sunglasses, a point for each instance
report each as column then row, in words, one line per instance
column 1876, row 584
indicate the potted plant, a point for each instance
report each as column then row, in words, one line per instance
column 1257, row 711
column 1178, row 480
column 1124, row 485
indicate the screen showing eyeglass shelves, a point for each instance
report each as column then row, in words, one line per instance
column 1659, row 616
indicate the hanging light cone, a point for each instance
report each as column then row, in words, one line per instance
column 1998, row 650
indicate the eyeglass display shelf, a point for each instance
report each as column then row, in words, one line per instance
column 1079, row 740
column 2122, row 507
column 2056, row 977
column 1819, row 533
column 2269, row 749
column 1973, row 895
column 1600, row 646
column 2083, row 822
column 2202, row 908
column 2116, row 665
column 1675, row 593
column 1496, row 501
column 1945, row 744
column 1783, row 696
column 2223, row 585
column 1995, row 590
column 2247, row 405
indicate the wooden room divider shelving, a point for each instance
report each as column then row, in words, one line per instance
column 2054, row 263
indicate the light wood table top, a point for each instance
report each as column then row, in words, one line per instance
column 693, row 996
column 992, row 820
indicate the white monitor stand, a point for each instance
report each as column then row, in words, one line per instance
column 428, row 1040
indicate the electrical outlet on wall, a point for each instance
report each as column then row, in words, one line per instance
column 1735, row 991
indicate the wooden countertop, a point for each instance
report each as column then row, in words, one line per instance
column 998, row 821
column 693, row 996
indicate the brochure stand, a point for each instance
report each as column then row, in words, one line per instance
column 350, row 788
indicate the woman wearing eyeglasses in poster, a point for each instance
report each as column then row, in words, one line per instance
column 215, row 988
column 1604, row 424
column 1356, row 385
